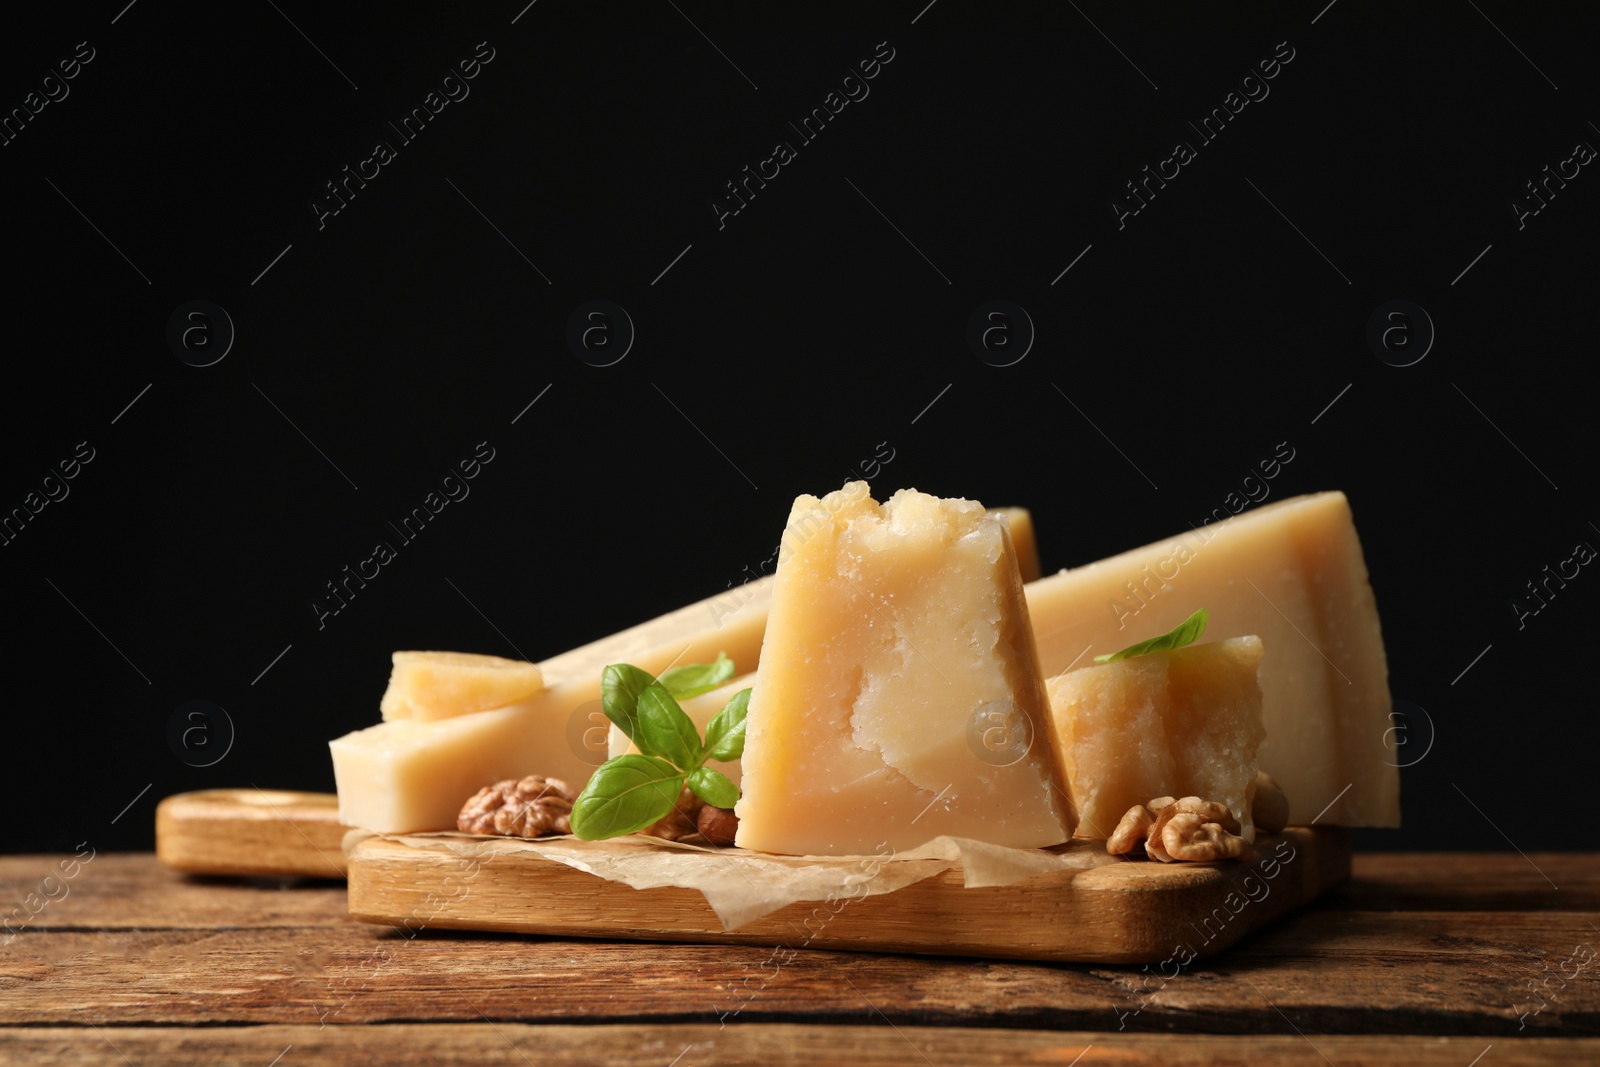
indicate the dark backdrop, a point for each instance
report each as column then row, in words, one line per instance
column 776, row 349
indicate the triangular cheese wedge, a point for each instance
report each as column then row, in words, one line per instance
column 899, row 695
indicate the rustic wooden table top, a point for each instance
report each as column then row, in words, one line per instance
column 1420, row 959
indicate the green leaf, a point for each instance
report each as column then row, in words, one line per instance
column 1185, row 633
column 625, row 795
column 620, row 686
column 714, row 787
column 725, row 732
column 692, row 679
column 665, row 731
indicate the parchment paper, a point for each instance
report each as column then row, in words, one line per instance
column 742, row 886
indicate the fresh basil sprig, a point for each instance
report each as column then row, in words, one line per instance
column 1185, row 633
column 629, row 793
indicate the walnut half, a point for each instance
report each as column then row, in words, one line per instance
column 1207, row 831
column 719, row 826
column 1131, row 831
column 527, row 807
column 1189, row 837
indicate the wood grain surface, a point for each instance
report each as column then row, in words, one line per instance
column 775, row 1044
column 270, row 832
column 1389, row 967
column 1135, row 911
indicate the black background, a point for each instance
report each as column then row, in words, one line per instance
column 778, row 352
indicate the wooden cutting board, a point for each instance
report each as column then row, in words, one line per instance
column 254, row 832
column 1137, row 911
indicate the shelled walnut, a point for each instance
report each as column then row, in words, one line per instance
column 1189, row 837
column 678, row 823
column 1131, row 832
column 526, row 807
column 718, row 825
column 1186, row 829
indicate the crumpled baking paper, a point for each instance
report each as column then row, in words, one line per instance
column 742, row 886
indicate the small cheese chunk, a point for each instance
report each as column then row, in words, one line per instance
column 1180, row 723
column 1293, row 574
column 405, row 776
column 439, row 685
column 897, row 645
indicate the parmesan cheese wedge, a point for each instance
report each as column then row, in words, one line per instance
column 1181, row 723
column 897, row 633
column 1293, row 574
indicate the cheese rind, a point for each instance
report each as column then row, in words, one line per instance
column 1180, row 723
column 895, row 630
column 1293, row 574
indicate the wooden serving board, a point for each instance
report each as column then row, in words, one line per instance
column 1138, row 911
column 252, row 832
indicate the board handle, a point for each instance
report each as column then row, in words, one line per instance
column 251, row 832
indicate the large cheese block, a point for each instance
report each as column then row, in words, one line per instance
column 898, row 635
column 1293, row 574
column 1179, row 723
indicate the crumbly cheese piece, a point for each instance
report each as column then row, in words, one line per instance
column 1293, row 574
column 439, row 685
column 1180, row 723
column 898, row 637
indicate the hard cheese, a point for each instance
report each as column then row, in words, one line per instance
column 1023, row 539
column 404, row 775
column 440, row 685
column 1180, row 723
column 896, row 633
column 1291, row 573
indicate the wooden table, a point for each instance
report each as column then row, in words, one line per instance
column 1420, row 959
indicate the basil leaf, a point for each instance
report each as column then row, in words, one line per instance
column 665, row 731
column 725, row 732
column 625, row 795
column 1184, row 633
column 714, row 787
column 692, row 679
column 620, row 687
